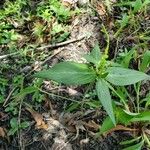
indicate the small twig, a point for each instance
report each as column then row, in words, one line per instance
column 19, row 131
column 8, row 97
column 58, row 96
column 30, row 70
column 8, row 55
column 50, row 57
column 52, row 46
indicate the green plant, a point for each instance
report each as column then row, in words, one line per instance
column 25, row 24
column 3, row 85
column 53, row 8
column 20, row 92
column 140, row 117
column 129, row 18
column 12, row 8
column 8, row 36
column 59, row 32
column 61, row 13
column 15, row 126
column 54, row 18
column 100, row 71
column 19, row 95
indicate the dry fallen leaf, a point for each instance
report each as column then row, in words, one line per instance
column 91, row 125
column 40, row 124
column 2, row 132
column 147, row 131
column 69, row 3
column 3, row 116
column 79, row 126
column 101, row 9
column 37, row 66
column 15, row 23
column 84, row 141
column 53, row 127
column 72, row 92
column 60, row 142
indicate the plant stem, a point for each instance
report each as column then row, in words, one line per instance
column 105, row 55
column 138, row 96
column 146, row 139
column 121, row 98
column 51, row 94
column 107, row 40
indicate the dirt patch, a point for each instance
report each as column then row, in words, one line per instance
column 83, row 25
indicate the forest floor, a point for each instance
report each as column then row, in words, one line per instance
column 36, row 35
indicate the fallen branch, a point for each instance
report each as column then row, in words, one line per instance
column 51, row 56
column 8, row 97
column 30, row 70
column 52, row 46
column 8, row 55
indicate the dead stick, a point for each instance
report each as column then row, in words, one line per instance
column 54, row 46
column 8, row 97
column 48, row 46
column 50, row 57
column 61, row 44
column 7, row 55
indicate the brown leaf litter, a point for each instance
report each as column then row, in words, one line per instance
column 2, row 132
column 40, row 123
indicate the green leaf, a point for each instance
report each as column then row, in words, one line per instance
column 12, row 131
column 122, row 117
column 130, row 141
column 143, row 116
column 109, row 6
column 14, row 123
column 24, row 125
column 3, row 81
column 146, row 139
column 105, row 98
column 107, row 125
column 72, row 107
column 124, row 21
column 145, row 61
column 26, row 91
column 146, row 2
column 95, row 56
column 62, row 37
column 125, row 62
column 94, row 104
column 131, row 113
column 137, row 5
column 135, row 147
column 122, row 76
column 2, row 99
column 147, row 102
column 70, row 73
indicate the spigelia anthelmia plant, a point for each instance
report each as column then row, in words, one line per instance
column 108, row 77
